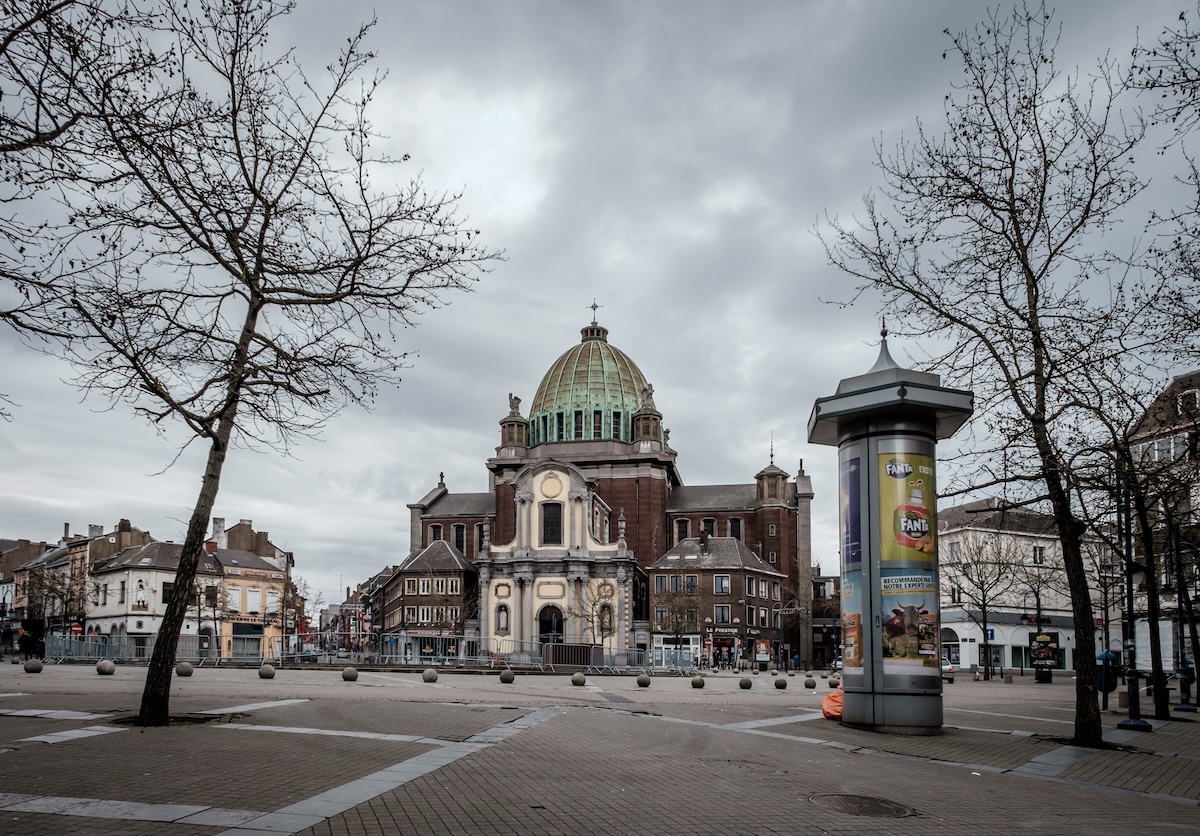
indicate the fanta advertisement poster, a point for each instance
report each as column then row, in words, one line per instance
column 907, row 516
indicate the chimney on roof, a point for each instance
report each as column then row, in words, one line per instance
column 66, row 531
column 219, row 536
column 703, row 542
column 95, row 531
column 246, row 523
column 124, row 525
column 210, row 547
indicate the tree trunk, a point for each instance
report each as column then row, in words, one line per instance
column 156, row 696
column 1158, row 676
column 1088, row 728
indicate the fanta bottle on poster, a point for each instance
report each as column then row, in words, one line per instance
column 911, row 520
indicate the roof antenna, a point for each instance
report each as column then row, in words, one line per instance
column 772, row 445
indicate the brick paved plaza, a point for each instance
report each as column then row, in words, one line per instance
column 309, row 753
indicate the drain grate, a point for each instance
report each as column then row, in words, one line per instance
column 862, row 805
column 740, row 768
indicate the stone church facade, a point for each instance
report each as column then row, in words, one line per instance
column 584, row 495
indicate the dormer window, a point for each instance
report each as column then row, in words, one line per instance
column 1187, row 403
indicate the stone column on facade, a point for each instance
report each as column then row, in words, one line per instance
column 523, row 508
column 623, row 609
column 486, row 618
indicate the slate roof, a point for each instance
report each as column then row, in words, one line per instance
column 438, row 557
column 159, row 555
column 463, row 505
column 690, row 498
column 722, row 553
column 993, row 515
column 1163, row 414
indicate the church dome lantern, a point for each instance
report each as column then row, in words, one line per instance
column 590, row 393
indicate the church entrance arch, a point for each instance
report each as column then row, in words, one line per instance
column 550, row 625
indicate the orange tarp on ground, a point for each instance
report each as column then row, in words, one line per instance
column 831, row 706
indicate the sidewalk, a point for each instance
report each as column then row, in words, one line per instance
column 309, row 753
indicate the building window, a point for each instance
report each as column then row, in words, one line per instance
column 773, row 557
column 233, row 599
column 426, row 613
column 735, row 529
column 750, row 587
column 121, row 594
column 775, row 590
column 954, row 551
column 460, row 538
column 660, row 584
column 502, row 618
column 720, row 584
column 721, row 614
column 693, row 619
column 762, row 617
column 709, row 526
column 425, row 585
column 452, row 586
column 439, row 586
column 561, row 425
column 578, row 424
column 681, row 530
column 691, row 584
column 410, row 586
column 545, row 428
column 253, row 597
column 1187, row 403
column 771, row 530
column 597, row 424
column 104, row 595
column 478, row 538
column 762, row 589
column 552, row 523
column 660, row 617
column 750, row 616
column 616, row 426
column 435, row 532
column 956, row 593
column 410, row 614
column 1039, row 555
column 166, row 592
column 676, row 584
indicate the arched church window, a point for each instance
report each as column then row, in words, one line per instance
column 552, row 513
column 502, row 618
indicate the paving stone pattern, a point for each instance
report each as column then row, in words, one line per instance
column 307, row 753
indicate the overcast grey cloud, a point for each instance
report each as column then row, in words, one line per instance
column 668, row 159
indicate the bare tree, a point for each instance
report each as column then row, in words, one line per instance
column 980, row 573
column 228, row 262
column 985, row 249
column 595, row 608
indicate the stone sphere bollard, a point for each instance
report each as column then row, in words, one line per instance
column 15, row 660
column 507, row 676
column 643, row 681
column 774, row 672
column 697, row 681
column 809, row 682
column 834, row 682
column 106, row 667
column 745, row 683
column 350, row 674
column 578, row 679
column 33, row 666
column 185, row 669
column 780, row 683
column 429, row 675
column 266, row 672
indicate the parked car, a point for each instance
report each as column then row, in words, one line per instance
column 836, row 666
column 947, row 671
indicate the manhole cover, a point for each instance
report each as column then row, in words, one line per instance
column 862, row 805
column 740, row 768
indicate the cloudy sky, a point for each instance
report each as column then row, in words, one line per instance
column 668, row 159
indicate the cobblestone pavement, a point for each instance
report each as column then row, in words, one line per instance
column 308, row 753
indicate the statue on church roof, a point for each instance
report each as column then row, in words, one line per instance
column 514, row 404
column 648, row 396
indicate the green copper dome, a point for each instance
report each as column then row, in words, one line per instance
column 589, row 393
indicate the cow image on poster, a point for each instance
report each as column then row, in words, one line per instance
column 901, row 630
